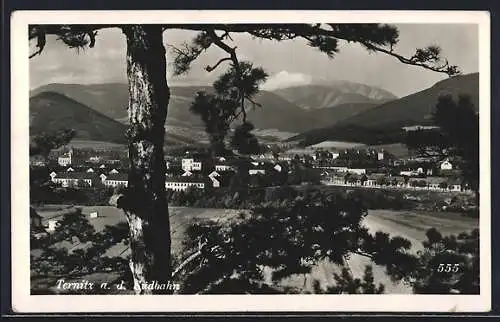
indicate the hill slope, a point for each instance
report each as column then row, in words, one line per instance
column 382, row 123
column 330, row 116
column 112, row 100
column 418, row 108
column 53, row 111
column 319, row 96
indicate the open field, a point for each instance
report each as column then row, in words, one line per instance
column 180, row 218
column 411, row 225
column 96, row 145
column 399, row 150
column 407, row 224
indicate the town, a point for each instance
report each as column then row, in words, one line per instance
column 320, row 163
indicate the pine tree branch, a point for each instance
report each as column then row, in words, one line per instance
column 234, row 58
column 211, row 68
column 422, row 58
column 190, row 259
column 186, row 262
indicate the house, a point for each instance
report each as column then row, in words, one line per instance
column 114, row 180
column 102, row 166
column 70, row 169
column 223, row 167
column 215, row 182
column 256, row 169
column 325, row 174
column 398, row 181
column 357, row 171
column 52, row 225
column 66, row 159
column 337, row 180
column 95, row 159
column 446, row 165
column 189, row 164
column 214, row 174
column 408, row 173
column 375, row 179
column 222, row 179
column 436, row 183
column 114, row 171
column 285, row 157
column 183, row 183
column 90, row 170
column 38, row 161
column 335, row 169
column 278, row 167
column 455, row 185
column 73, row 179
column 187, row 173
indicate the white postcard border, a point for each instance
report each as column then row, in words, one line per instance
column 26, row 303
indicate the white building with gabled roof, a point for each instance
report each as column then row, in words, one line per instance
column 66, row 159
column 189, row 164
column 446, row 165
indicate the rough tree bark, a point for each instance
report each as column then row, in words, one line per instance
column 145, row 201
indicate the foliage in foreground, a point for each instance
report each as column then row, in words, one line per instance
column 285, row 238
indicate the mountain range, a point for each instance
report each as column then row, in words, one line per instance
column 383, row 122
column 320, row 96
column 340, row 110
column 276, row 113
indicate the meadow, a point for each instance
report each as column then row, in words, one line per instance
column 411, row 225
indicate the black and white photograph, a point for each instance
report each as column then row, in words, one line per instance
column 332, row 157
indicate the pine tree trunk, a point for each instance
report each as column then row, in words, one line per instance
column 146, row 202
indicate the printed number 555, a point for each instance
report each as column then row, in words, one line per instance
column 448, row 268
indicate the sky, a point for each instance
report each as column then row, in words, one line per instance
column 288, row 63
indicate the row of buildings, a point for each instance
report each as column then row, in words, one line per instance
column 113, row 180
column 187, row 173
column 380, row 180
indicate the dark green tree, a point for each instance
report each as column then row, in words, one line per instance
column 43, row 143
column 244, row 141
column 345, row 283
column 447, row 264
column 457, row 136
column 218, row 111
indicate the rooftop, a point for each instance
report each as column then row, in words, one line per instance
column 76, row 175
column 187, row 179
column 117, row 176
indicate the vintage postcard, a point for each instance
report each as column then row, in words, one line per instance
column 291, row 161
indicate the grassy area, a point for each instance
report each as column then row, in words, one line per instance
column 180, row 218
column 411, row 225
column 414, row 224
column 96, row 145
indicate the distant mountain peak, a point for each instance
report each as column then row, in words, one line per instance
column 325, row 94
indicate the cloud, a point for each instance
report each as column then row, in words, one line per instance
column 286, row 79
